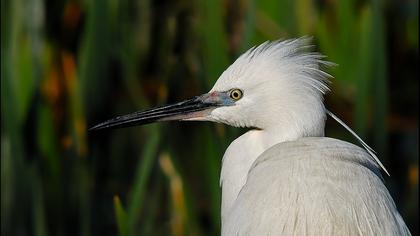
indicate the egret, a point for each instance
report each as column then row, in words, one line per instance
column 283, row 176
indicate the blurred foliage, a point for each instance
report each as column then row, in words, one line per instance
column 66, row 65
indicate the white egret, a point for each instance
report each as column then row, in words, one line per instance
column 283, row 177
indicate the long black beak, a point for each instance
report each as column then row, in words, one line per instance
column 196, row 107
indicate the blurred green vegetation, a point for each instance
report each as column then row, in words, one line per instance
column 66, row 65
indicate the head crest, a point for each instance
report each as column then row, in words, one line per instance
column 292, row 59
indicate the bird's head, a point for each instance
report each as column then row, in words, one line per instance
column 276, row 86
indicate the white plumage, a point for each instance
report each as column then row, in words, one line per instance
column 283, row 177
column 275, row 180
column 313, row 186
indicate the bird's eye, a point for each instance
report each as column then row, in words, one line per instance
column 236, row 94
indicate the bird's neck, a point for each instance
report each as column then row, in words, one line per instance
column 238, row 159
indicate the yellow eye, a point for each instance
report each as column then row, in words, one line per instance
column 236, row 94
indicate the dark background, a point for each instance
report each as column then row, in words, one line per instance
column 66, row 65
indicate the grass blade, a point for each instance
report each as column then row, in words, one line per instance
column 121, row 217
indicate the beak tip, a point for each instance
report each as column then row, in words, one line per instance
column 95, row 128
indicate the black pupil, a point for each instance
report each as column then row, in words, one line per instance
column 235, row 94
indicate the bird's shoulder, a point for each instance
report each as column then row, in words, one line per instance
column 314, row 186
column 318, row 150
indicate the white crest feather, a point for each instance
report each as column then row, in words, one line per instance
column 294, row 56
column 367, row 148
